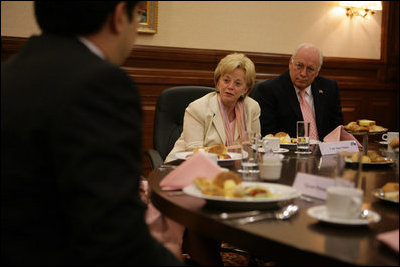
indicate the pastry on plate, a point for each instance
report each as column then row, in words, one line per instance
column 364, row 125
column 391, row 191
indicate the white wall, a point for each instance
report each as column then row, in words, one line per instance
column 254, row 26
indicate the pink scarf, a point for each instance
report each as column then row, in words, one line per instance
column 240, row 120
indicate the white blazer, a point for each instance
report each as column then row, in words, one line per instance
column 203, row 124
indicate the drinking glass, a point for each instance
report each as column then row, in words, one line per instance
column 303, row 137
column 250, row 156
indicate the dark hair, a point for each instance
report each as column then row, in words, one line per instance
column 76, row 17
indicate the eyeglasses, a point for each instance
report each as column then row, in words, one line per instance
column 300, row 66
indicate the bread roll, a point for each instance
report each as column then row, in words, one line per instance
column 219, row 179
column 376, row 128
column 202, row 182
column 364, row 158
column 375, row 157
column 217, row 149
column 366, row 123
column 281, row 134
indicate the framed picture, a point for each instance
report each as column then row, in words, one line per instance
column 148, row 17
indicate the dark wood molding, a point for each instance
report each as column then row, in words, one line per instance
column 368, row 87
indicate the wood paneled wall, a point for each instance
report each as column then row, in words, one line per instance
column 368, row 88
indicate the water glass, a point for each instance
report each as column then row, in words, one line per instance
column 250, row 156
column 303, row 137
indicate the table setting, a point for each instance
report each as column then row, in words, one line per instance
column 263, row 218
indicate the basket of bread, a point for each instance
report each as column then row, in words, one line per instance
column 364, row 126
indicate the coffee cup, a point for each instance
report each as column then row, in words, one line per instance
column 271, row 143
column 344, row 202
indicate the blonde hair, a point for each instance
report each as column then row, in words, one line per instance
column 233, row 61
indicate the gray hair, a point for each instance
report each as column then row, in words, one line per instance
column 309, row 45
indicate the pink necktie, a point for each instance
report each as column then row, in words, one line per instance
column 308, row 115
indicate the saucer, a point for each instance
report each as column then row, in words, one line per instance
column 303, row 152
column 320, row 213
column 383, row 142
column 281, row 150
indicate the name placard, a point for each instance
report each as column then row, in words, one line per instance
column 328, row 148
column 312, row 185
column 315, row 185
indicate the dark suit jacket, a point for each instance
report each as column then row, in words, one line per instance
column 280, row 108
column 71, row 160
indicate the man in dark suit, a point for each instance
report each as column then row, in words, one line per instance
column 71, row 148
column 279, row 98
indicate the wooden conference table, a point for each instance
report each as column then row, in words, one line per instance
column 301, row 239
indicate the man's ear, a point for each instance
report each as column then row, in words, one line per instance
column 117, row 18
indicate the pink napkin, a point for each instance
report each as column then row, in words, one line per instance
column 391, row 239
column 340, row 134
column 197, row 165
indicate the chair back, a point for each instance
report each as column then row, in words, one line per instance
column 254, row 93
column 170, row 110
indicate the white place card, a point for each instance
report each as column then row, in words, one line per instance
column 312, row 185
column 328, row 148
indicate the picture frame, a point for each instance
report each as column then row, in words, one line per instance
column 149, row 18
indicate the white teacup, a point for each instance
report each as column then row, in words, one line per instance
column 273, row 143
column 389, row 136
column 344, row 202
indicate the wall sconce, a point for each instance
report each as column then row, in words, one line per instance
column 361, row 8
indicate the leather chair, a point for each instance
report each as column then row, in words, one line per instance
column 168, row 119
column 255, row 89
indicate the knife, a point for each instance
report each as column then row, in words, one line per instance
column 283, row 214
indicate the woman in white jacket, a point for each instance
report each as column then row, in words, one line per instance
column 221, row 116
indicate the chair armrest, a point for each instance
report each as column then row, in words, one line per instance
column 155, row 158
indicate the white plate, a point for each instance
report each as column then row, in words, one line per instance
column 320, row 213
column 379, row 194
column 383, row 142
column 281, row 192
column 183, row 155
column 387, row 162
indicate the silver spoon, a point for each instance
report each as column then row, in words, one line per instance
column 364, row 215
column 283, row 214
